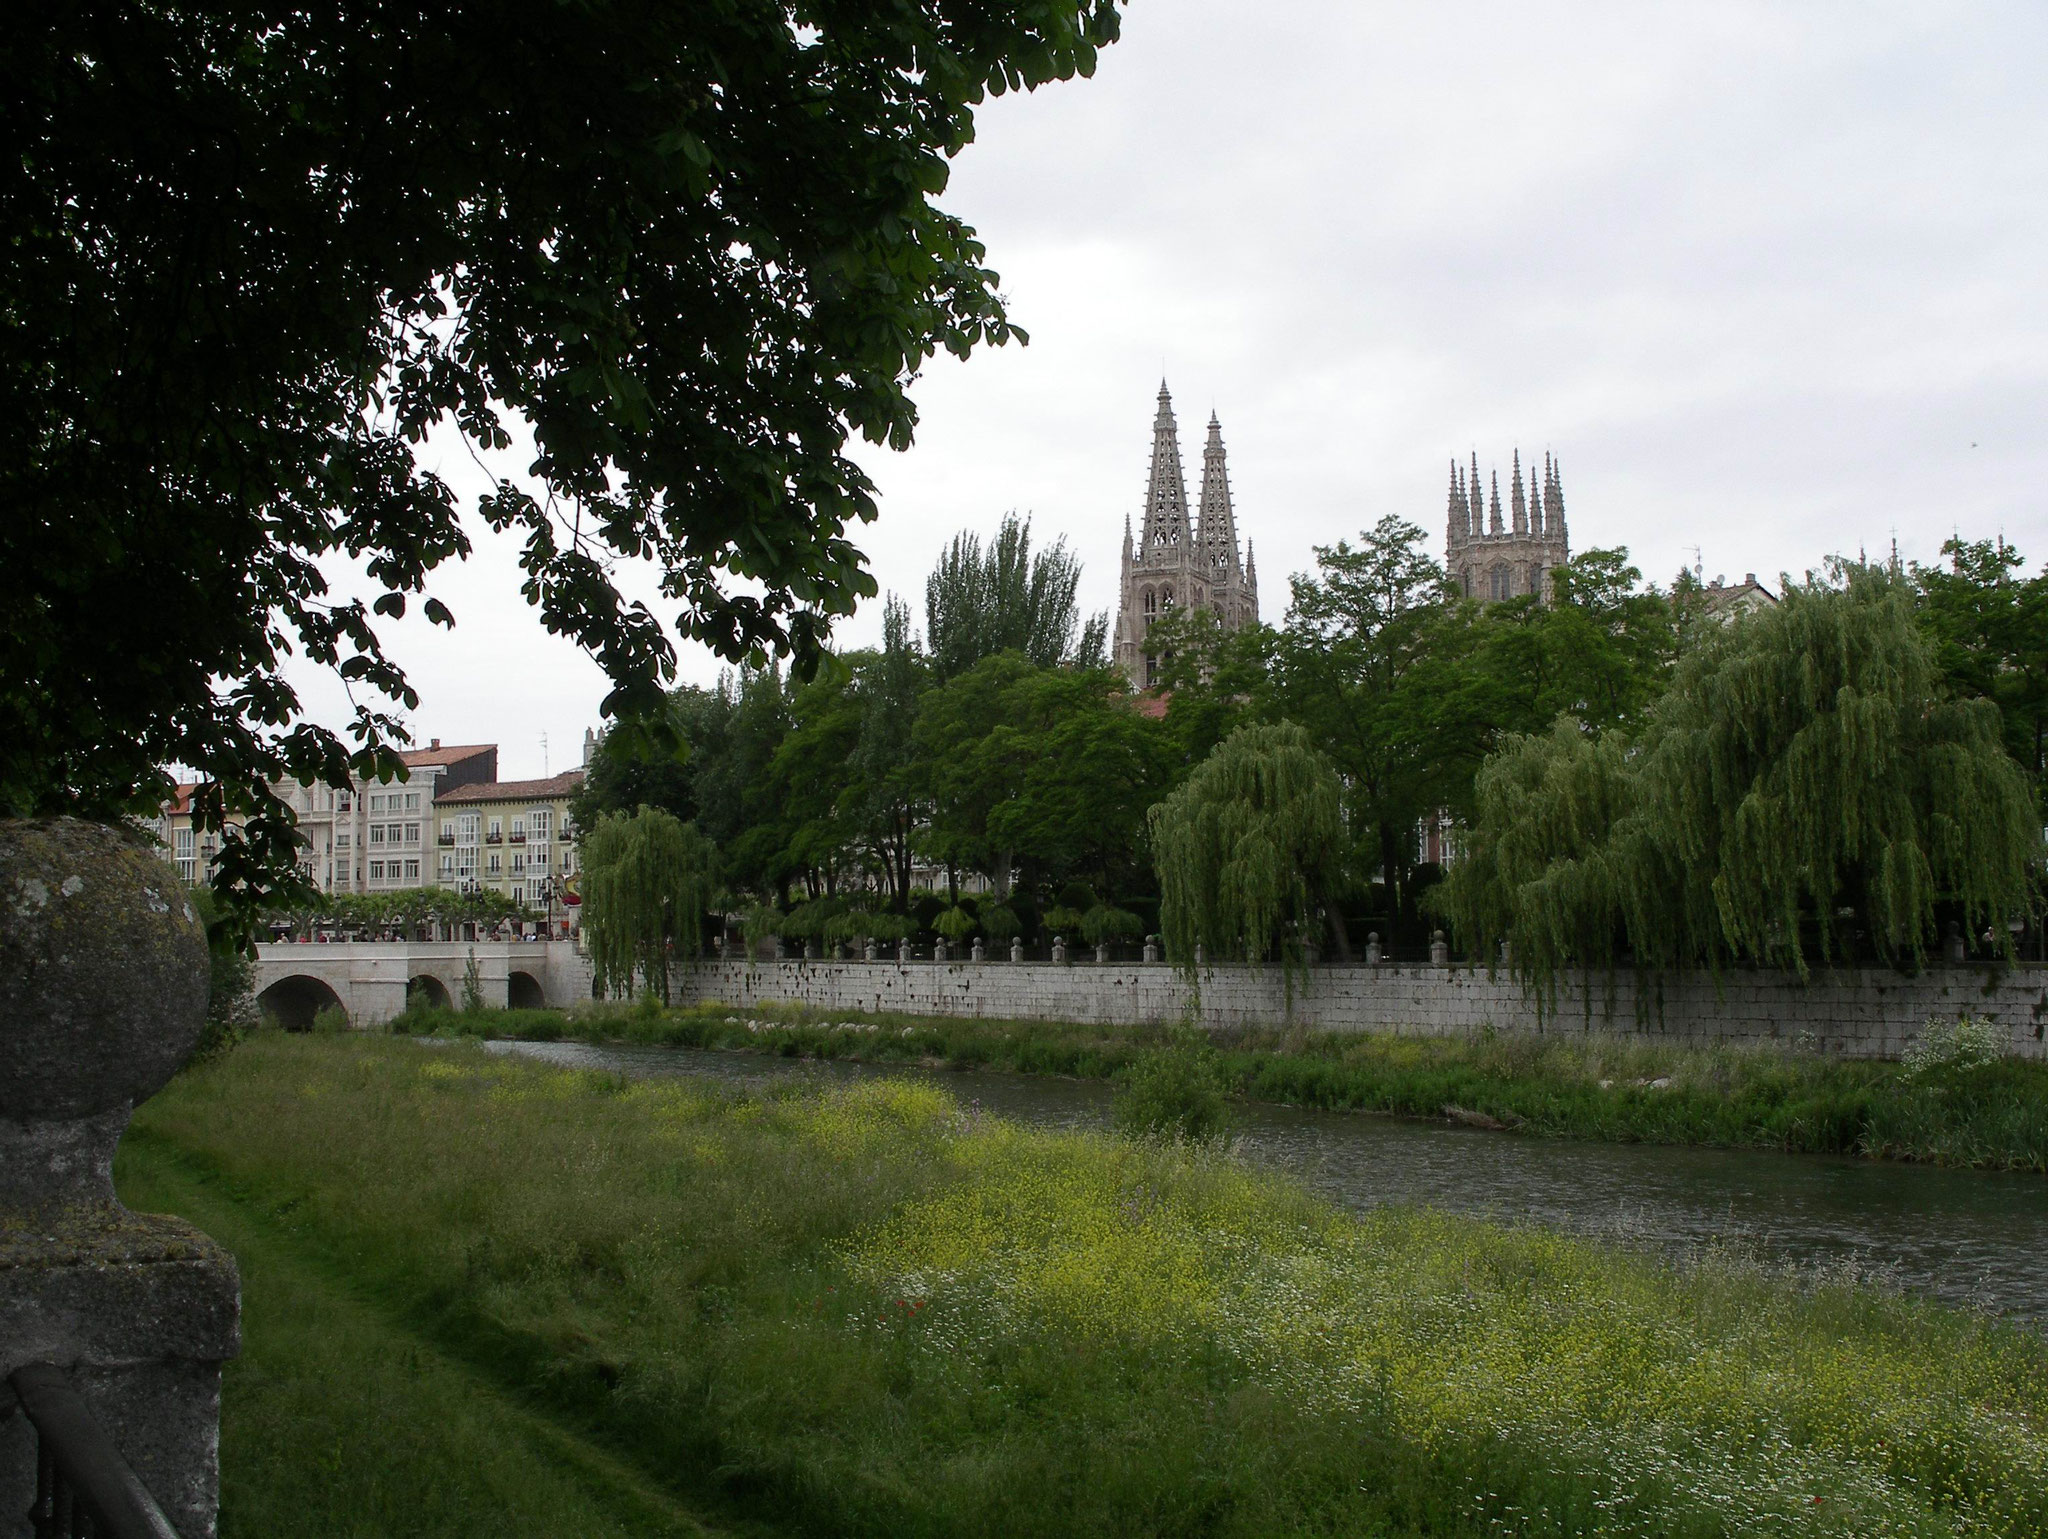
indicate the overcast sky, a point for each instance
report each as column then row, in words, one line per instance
column 1767, row 279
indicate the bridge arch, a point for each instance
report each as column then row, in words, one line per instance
column 426, row 992
column 523, row 992
column 294, row 1000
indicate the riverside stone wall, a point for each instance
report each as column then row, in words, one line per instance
column 1861, row 1013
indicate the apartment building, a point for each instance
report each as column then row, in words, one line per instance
column 367, row 837
column 513, row 837
column 377, row 837
column 188, row 847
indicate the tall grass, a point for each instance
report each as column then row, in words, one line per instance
column 866, row 1311
column 1563, row 1084
column 338, row 1424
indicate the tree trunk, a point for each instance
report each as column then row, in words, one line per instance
column 1340, row 938
column 1388, row 845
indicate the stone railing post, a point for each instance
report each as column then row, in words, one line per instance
column 103, row 983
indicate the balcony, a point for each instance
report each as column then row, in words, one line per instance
column 446, row 841
column 494, row 838
column 517, row 837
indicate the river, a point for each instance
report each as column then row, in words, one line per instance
column 1970, row 1237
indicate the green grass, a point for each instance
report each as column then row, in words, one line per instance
column 1564, row 1084
column 337, row 1420
column 866, row 1312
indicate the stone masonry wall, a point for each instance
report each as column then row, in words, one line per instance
column 1862, row 1014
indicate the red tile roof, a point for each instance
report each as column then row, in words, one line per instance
column 513, row 790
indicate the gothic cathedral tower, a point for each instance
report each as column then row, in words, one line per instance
column 1173, row 566
column 1489, row 557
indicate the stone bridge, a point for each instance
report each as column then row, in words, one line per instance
column 372, row 981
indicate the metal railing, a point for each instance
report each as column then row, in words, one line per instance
column 84, row 1488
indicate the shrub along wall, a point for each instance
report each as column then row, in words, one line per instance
column 1863, row 1013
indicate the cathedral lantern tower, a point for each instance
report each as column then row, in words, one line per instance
column 1173, row 564
column 1495, row 553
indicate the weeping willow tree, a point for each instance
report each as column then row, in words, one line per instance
column 1804, row 787
column 647, row 881
column 1245, row 848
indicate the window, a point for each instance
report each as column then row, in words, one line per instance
column 412, row 833
column 412, row 801
column 1151, row 602
column 447, row 867
column 376, row 833
column 341, row 872
column 376, row 870
column 496, row 867
column 344, row 802
column 519, row 863
column 518, row 828
column 341, row 841
column 412, row 871
column 518, row 894
column 188, row 863
column 465, row 828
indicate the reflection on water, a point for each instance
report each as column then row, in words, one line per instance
column 1967, row 1236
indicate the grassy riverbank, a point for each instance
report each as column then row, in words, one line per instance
column 339, row 1421
column 1565, row 1084
column 864, row 1312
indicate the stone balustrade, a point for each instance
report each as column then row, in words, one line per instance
column 103, row 985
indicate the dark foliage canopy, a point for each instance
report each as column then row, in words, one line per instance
column 257, row 253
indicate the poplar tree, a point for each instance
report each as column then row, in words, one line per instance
column 1806, row 788
column 647, row 881
column 981, row 600
column 1246, row 847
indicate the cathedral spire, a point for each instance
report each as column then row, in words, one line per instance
column 1217, row 529
column 1518, row 504
column 1493, row 524
column 1460, row 511
column 1553, row 502
column 1475, row 497
column 1166, row 492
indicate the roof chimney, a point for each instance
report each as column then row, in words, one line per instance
column 1749, row 579
column 434, row 743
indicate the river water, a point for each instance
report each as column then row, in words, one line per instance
column 1969, row 1237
